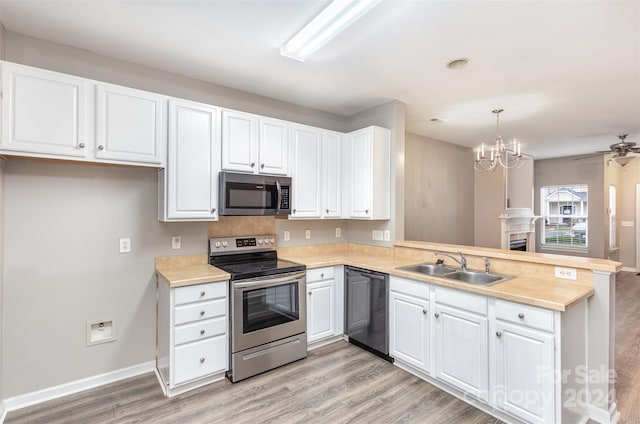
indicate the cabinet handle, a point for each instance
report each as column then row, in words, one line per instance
column 327, row 210
column 202, row 293
column 437, row 315
column 253, row 164
column 309, row 293
column 81, row 146
column 521, row 315
column 202, row 360
column 322, row 275
column 100, row 147
column 201, row 313
column 262, row 166
column 201, row 332
column 294, row 211
column 213, row 210
column 424, row 311
column 366, row 211
column 499, row 333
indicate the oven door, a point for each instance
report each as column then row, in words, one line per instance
column 266, row 309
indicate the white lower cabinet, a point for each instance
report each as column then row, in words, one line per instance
column 461, row 344
column 524, row 363
column 192, row 335
column 409, row 335
column 324, row 303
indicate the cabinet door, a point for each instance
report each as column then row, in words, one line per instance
column 239, row 141
column 274, row 147
column 320, row 310
column 193, row 161
column 306, row 170
column 409, row 330
column 44, row 112
column 331, row 175
column 130, row 125
column 524, row 371
column 461, row 349
column 361, row 168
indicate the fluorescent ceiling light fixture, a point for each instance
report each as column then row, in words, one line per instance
column 337, row 17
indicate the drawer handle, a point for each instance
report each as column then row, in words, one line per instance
column 262, row 166
column 366, row 211
column 81, row 146
column 202, row 293
column 100, row 147
column 201, row 332
column 202, row 360
column 521, row 315
column 499, row 333
column 437, row 315
column 201, row 313
column 253, row 164
column 322, row 275
column 327, row 210
column 424, row 311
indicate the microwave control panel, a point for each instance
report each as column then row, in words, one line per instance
column 284, row 200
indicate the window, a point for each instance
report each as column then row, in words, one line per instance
column 612, row 216
column 565, row 214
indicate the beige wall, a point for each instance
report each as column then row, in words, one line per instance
column 439, row 186
column 629, row 177
column 2, row 37
column 570, row 171
column 489, row 204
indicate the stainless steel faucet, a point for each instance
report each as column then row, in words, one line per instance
column 462, row 261
column 487, row 264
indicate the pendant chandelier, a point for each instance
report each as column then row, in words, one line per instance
column 488, row 157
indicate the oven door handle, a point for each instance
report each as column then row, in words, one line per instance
column 270, row 281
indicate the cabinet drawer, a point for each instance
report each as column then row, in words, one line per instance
column 530, row 316
column 410, row 287
column 320, row 274
column 199, row 311
column 462, row 300
column 195, row 360
column 199, row 292
column 199, row 330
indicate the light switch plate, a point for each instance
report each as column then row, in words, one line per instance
column 566, row 273
column 287, row 235
column 176, row 242
column 338, row 232
column 307, row 234
column 624, row 223
column 376, row 235
column 387, row 235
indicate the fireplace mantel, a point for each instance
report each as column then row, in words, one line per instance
column 517, row 224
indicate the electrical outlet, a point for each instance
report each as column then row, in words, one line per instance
column 338, row 232
column 176, row 242
column 287, row 235
column 566, row 273
column 387, row 235
column 307, row 234
column 125, row 245
column 376, row 235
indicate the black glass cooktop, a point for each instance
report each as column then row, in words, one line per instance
column 252, row 265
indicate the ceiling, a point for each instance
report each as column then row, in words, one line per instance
column 567, row 73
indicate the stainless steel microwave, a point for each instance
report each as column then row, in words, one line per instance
column 249, row 194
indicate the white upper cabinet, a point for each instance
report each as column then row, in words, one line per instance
column 254, row 144
column 331, row 174
column 52, row 115
column 239, row 141
column 130, row 125
column 306, row 172
column 369, row 173
column 44, row 113
column 189, row 184
column 274, row 147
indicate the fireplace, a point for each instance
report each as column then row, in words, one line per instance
column 518, row 244
column 518, row 230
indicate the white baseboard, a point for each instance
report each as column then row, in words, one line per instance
column 3, row 412
column 626, row 268
column 602, row 416
column 72, row 387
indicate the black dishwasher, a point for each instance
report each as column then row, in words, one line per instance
column 366, row 305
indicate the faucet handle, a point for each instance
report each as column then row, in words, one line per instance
column 487, row 263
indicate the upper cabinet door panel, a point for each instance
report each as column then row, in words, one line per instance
column 331, row 174
column 193, row 161
column 43, row 112
column 274, row 147
column 306, row 172
column 239, row 141
column 130, row 125
column 361, row 174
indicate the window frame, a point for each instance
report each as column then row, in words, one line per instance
column 580, row 213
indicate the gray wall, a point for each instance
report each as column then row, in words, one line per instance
column 439, row 184
column 489, row 204
column 2, row 37
column 569, row 171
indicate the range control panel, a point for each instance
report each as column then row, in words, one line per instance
column 242, row 244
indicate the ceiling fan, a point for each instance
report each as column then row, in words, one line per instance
column 620, row 149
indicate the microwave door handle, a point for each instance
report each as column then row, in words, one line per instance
column 279, row 190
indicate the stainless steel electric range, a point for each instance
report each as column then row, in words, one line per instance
column 267, row 304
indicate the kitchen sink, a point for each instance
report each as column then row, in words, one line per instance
column 480, row 278
column 429, row 269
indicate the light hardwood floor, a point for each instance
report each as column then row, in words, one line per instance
column 339, row 383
